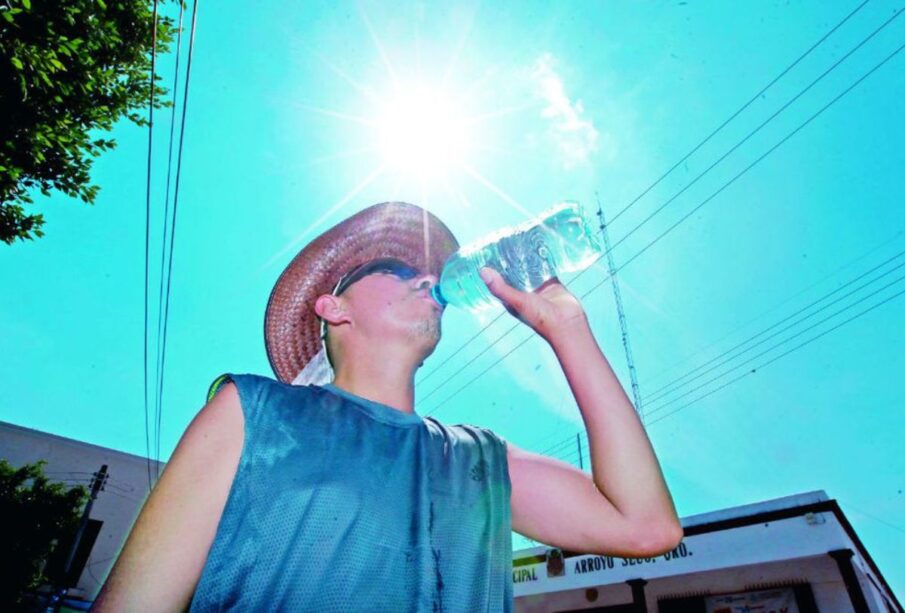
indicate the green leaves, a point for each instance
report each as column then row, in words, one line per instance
column 74, row 68
column 36, row 513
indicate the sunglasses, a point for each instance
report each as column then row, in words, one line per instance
column 386, row 266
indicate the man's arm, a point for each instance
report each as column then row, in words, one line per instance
column 162, row 559
column 623, row 509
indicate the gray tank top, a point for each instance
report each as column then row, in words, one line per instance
column 340, row 504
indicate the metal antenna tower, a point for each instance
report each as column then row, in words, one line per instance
column 611, row 264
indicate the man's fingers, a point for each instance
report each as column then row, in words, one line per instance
column 502, row 290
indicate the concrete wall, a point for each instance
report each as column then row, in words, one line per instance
column 74, row 461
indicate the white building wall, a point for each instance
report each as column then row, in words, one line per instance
column 760, row 543
column 117, row 506
column 873, row 596
column 821, row 572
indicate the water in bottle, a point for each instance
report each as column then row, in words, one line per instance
column 560, row 240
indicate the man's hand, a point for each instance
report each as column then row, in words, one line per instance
column 551, row 310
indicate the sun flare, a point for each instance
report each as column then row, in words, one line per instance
column 421, row 131
column 427, row 135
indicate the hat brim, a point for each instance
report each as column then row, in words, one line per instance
column 390, row 229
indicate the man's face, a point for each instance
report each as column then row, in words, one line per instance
column 393, row 301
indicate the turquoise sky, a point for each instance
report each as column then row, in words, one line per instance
column 564, row 100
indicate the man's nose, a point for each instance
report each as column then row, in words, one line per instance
column 426, row 281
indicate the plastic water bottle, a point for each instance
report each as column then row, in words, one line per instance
column 560, row 240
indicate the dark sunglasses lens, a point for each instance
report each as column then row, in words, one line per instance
column 396, row 268
column 399, row 269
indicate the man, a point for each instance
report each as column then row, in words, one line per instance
column 338, row 496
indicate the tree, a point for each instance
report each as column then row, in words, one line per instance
column 34, row 515
column 68, row 72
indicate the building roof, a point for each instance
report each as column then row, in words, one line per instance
column 131, row 457
column 758, row 508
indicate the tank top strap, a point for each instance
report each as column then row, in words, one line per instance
column 259, row 398
column 250, row 387
column 486, row 440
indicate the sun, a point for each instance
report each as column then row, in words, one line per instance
column 428, row 133
column 421, row 131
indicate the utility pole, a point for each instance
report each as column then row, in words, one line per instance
column 580, row 453
column 97, row 485
column 611, row 263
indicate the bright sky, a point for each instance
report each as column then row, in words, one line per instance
column 289, row 114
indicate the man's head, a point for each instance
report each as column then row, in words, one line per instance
column 382, row 303
column 392, row 303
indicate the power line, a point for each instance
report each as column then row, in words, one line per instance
column 763, row 314
column 567, row 447
column 782, row 355
column 873, row 517
column 91, row 572
column 163, row 244
column 465, row 344
column 166, row 308
column 71, row 480
column 657, row 395
column 121, row 495
column 572, row 458
column 777, row 345
column 690, row 213
column 480, row 374
column 469, row 362
column 756, row 161
column 148, row 236
column 566, row 442
column 548, row 437
column 740, row 110
column 67, row 472
column 560, row 447
column 759, row 127
column 563, row 444
column 649, row 188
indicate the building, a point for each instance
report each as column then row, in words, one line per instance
column 796, row 555
column 117, row 505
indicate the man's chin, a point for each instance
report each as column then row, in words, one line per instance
column 433, row 345
column 427, row 333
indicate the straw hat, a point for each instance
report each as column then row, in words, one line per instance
column 387, row 230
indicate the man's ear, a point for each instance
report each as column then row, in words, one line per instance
column 331, row 309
